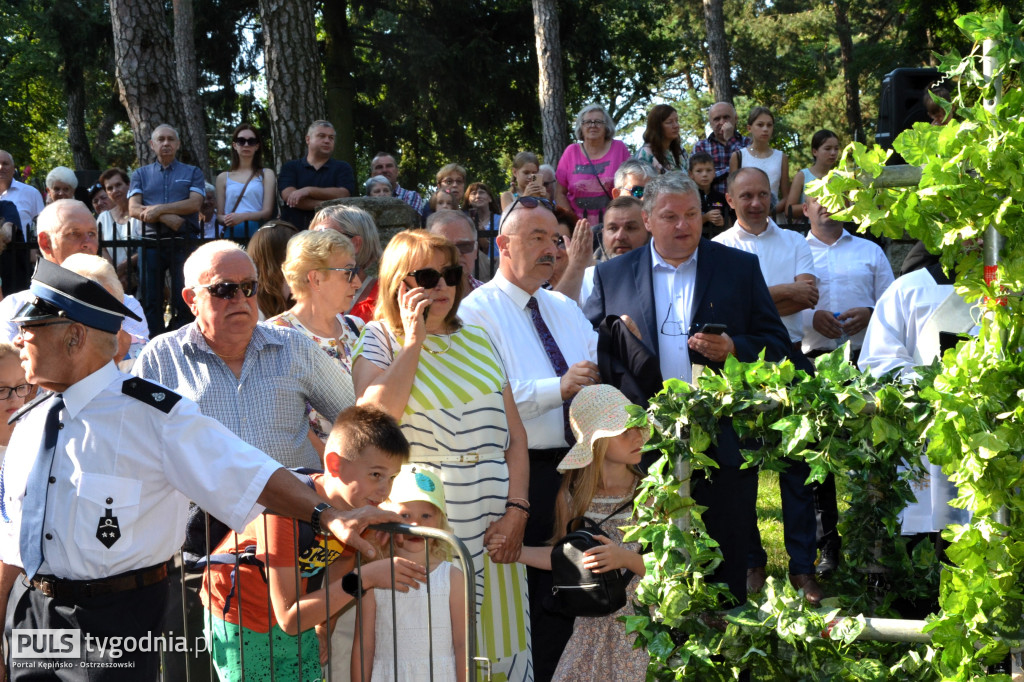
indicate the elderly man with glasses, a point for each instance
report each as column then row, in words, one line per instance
column 550, row 353
column 95, row 502
column 255, row 379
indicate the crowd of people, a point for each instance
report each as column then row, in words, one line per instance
column 440, row 380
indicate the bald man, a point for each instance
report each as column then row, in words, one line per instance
column 722, row 141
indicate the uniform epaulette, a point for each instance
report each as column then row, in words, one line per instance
column 154, row 395
column 43, row 395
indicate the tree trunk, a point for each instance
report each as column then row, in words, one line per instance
column 850, row 75
column 294, row 82
column 551, row 84
column 194, row 127
column 339, row 64
column 74, row 90
column 718, row 51
column 144, row 66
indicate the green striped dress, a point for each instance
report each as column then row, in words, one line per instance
column 456, row 410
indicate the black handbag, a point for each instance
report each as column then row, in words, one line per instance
column 575, row 590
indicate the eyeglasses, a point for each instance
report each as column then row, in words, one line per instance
column 465, row 248
column 246, row 141
column 560, row 243
column 227, row 290
column 352, row 271
column 527, row 202
column 637, row 191
column 22, row 327
column 428, row 278
column 451, row 182
column 21, row 390
column 593, row 123
column 672, row 327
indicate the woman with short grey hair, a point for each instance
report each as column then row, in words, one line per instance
column 358, row 226
column 586, row 171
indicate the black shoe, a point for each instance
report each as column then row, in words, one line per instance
column 828, row 563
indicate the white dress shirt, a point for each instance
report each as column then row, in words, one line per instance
column 783, row 255
column 500, row 307
column 141, row 462
column 852, row 273
column 673, row 301
column 29, row 202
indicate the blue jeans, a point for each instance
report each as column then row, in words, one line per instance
column 164, row 256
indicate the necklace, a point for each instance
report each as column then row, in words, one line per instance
column 757, row 154
column 230, row 357
column 440, row 352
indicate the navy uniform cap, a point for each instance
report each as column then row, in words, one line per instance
column 58, row 292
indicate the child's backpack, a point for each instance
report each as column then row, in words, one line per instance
column 576, row 591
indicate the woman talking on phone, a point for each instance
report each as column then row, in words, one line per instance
column 445, row 384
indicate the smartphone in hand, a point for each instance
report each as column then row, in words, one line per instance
column 712, row 328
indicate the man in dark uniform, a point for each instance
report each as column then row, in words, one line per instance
column 94, row 500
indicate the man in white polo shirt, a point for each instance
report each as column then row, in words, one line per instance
column 788, row 269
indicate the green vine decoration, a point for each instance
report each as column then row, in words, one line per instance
column 966, row 412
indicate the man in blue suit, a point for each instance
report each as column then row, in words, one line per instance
column 671, row 289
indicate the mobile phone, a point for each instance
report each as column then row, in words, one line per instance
column 426, row 311
column 712, row 328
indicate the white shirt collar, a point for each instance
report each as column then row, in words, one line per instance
column 519, row 296
column 658, row 262
column 842, row 237
column 768, row 231
column 79, row 394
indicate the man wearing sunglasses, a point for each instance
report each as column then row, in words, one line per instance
column 550, row 352
column 255, row 379
column 95, row 502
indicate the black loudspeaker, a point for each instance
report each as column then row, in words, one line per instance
column 902, row 105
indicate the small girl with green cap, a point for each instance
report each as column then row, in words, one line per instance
column 417, row 495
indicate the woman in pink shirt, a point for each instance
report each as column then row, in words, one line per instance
column 586, row 171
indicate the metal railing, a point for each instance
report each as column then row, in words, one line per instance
column 245, row 557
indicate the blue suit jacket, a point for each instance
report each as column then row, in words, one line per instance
column 729, row 290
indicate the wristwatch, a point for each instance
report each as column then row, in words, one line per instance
column 352, row 584
column 315, row 519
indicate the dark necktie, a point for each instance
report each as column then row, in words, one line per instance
column 555, row 356
column 33, row 507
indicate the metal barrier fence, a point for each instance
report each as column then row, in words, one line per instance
column 246, row 564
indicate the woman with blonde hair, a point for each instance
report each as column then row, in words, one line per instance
column 321, row 272
column 447, row 386
column 14, row 391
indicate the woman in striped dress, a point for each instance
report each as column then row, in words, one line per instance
column 445, row 383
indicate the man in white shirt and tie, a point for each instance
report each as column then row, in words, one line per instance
column 550, row 353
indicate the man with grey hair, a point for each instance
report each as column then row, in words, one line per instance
column 61, row 183
column 255, row 379
column 547, row 174
column 550, row 352
column 458, row 228
column 308, row 182
column 631, row 178
column 722, row 142
column 690, row 311
column 166, row 196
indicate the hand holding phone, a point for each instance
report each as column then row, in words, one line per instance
column 712, row 328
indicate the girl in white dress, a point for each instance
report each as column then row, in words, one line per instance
column 760, row 154
column 423, row 630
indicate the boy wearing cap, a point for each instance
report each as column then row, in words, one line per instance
column 95, row 504
column 363, row 455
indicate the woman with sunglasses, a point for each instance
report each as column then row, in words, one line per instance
column 446, row 384
column 321, row 272
column 586, row 171
column 246, row 193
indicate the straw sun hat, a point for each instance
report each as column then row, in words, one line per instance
column 597, row 411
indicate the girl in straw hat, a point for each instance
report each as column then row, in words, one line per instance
column 417, row 495
column 601, row 473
